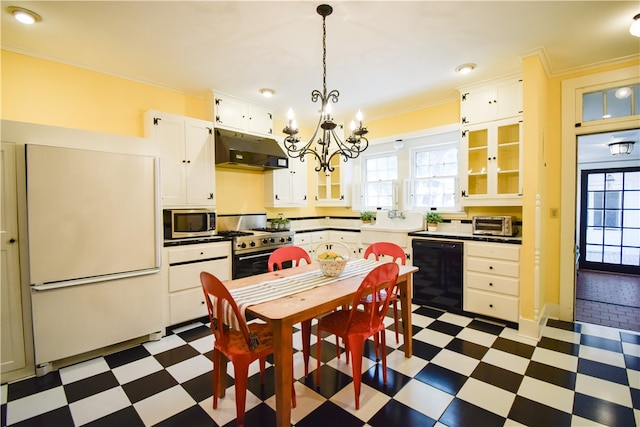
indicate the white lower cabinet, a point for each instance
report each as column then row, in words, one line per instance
column 351, row 239
column 492, row 283
column 185, row 296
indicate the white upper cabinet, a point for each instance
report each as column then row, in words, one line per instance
column 496, row 101
column 287, row 187
column 187, row 159
column 239, row 115
column 334, row 188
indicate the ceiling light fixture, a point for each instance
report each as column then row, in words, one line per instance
column 634, row 29
column 465, row 68
column 266, row 92
column 24, row 15
column 621, row 147
column 323, row 151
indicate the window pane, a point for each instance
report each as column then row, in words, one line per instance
column 617, row 107
column 435, row 173
column 592, row 106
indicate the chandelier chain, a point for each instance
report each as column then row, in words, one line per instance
column 324, row 56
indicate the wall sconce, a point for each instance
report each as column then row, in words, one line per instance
column 621, row 147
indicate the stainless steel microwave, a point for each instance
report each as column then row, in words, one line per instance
column 494, row 226
column 188, row 223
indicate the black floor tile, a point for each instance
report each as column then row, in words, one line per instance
column 33, row 385
column 195, row 333
column 260, row 416
column 126, row 356
column 445, row 328
column 513, row 347
column 125, row 417
column 532, row 413
column 602, row 411
column 635, row 398
column 567, row 326
column 487, row 327
column 200, row 387
column 602, row 343
column 395, row 413
column 329, row 414
column 60, row 417
column 429, row 312
column 176, row 355
column 551, row 374
column 395, row 380
column 499, row 377
column 463, row 414
column 88, row 386
column 632, row 362
column 424, row 350
column 603, row 371
column 266, row 390
column 467, row 348
column 441, row 378
column 331, row 381
column 194, row 416
column 630, row 338
column 559, row 346
column 149, row 385
column 328, row 351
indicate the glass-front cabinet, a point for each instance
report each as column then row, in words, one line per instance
column 333, row 188
column 491, row 172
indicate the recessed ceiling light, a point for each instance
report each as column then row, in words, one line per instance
column 24, row 15
column 465, row 68
column 623, row 92
column 266, row 92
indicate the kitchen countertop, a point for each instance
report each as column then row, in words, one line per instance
column 463, row 235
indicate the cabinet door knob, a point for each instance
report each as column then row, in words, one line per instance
column 490, row 267
column 490, row 284
column 491, row 305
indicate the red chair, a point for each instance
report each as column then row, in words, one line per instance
column 287, row 253
column 254, row 341
column 295, row 254
column 397, row 253
column 354, row 326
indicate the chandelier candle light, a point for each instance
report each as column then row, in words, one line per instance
column 355, row 144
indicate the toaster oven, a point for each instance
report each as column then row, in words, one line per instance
column 494, row 226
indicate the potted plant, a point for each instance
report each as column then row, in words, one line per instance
column 433, row 219
column 366, row 216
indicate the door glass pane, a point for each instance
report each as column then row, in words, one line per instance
column 612, row 236
column 595, row 182
column 632, row 200
column 632, row 181
column 612, row 218
column 630, row 256
column 594, row 218
column 630, row 236
column 594, row 253
column 611, row 255
column 631, row 218
column 594, row 235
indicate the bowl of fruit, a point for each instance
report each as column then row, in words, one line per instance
column 332, row 262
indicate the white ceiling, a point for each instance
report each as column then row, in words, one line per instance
column 384, row 57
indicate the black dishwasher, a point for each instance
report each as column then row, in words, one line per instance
column 438, row 282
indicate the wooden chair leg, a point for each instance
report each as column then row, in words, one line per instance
column 395, row 318
column 306, row 344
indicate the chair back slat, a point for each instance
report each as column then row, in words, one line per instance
column 385, row 277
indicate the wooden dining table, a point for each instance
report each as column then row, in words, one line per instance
column 284, row 312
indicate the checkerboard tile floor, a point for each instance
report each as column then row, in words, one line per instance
column 465, row 372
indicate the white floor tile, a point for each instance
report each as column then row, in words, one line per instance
column 424, row 398
column 456, row 362
column 82, row 370
column 137, row 369
column 507, row 361
column 190, row 368
column 547, row 394
column 307, row 401
column 35, row 404
column 477, row 337
column 634, row 379
column 514, row 335
column 98, row 405
column 433, row 337
column 631, row 349
column 512, row 423
column 577, row 421
column 408, row 366
column 553, row 358
column 204, row 344
column 3, row 393
column 600, row 355
column 421, row 321
column 226, row 411
column 605, row 390
column 166, row 343
column 487, row 396
column 562, row 335
column 163, row 405
column 600, row 331
column 455, row 319
column 370, row 401
column 187, row 327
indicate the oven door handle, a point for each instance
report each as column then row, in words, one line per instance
column 245, row 257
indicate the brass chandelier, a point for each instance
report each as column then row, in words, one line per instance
column 324, row 151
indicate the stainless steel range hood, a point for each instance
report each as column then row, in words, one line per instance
column 241, row 150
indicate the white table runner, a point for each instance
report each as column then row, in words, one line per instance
column 274, row 289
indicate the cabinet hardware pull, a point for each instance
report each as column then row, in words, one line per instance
column 490, row 267
column 490, row 284
column 491, row 305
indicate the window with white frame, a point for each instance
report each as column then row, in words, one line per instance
column 435, row 177
column 380, row 177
